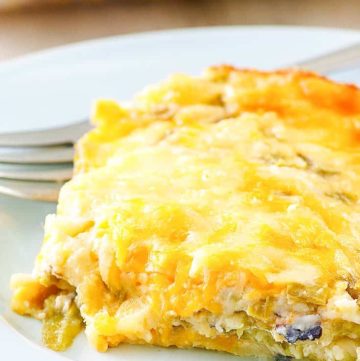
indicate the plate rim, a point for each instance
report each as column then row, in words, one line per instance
column 53, row 50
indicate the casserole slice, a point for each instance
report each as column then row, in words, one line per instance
column 220, row 212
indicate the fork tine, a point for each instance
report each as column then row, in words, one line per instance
column 56, row 136
column 36, row 155
column 36, row 173
column 41, row 191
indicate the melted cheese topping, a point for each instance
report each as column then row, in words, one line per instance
column 238, row 183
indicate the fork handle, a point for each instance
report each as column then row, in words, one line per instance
column 331, row 62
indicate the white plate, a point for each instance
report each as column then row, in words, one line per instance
column 58, row 86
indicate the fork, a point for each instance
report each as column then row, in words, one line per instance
column 35, row 164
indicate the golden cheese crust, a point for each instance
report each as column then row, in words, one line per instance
column 219, row 211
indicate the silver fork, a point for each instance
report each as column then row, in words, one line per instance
column 35, row 164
